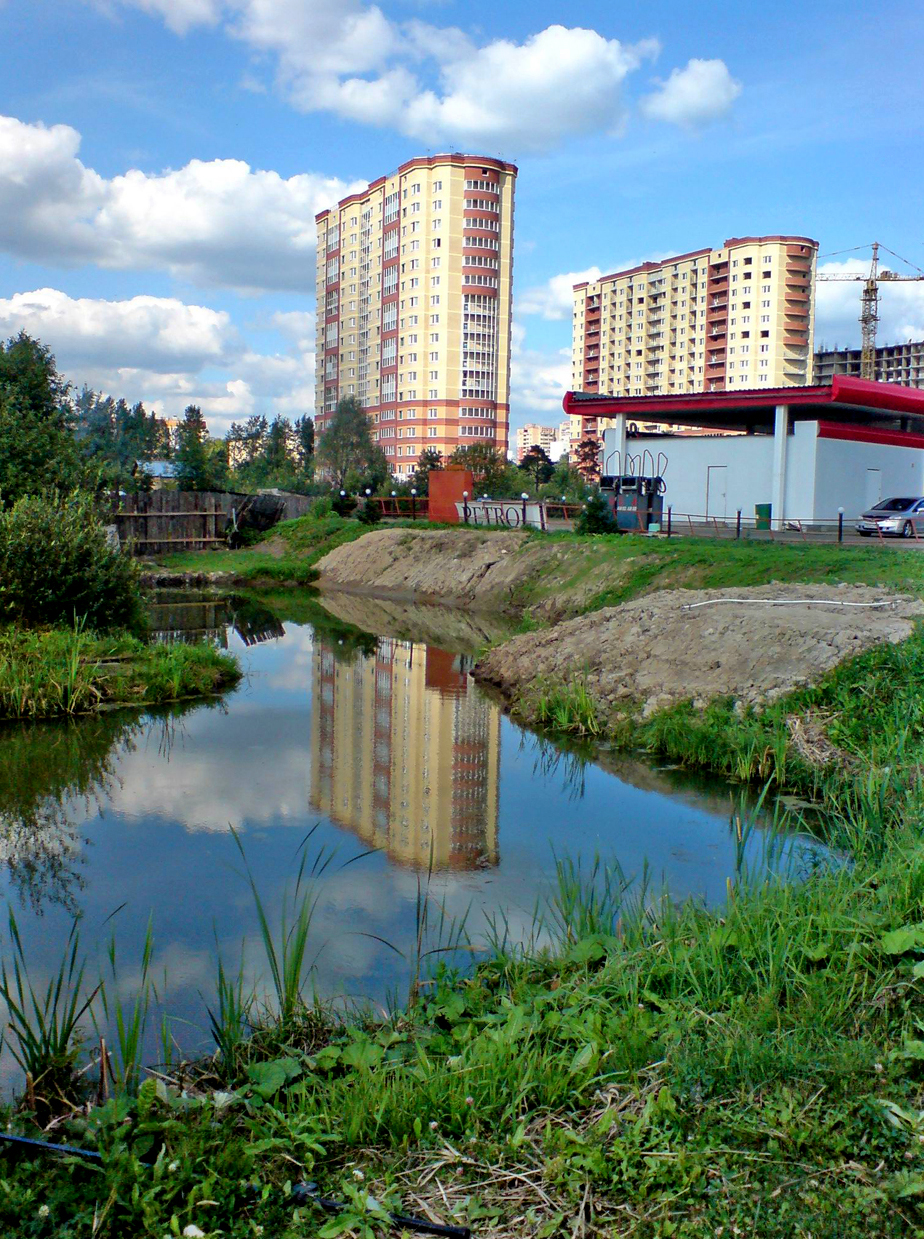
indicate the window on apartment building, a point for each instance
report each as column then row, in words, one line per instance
column 765, row 305
column 434, row 356
column 433, row 431
column 436, row 225
column 434, row 393
column 748, row 261
column 433, row 412
column 434, row 319
column 734, row 262
column 435, row 300
column 765, row 318
column 437, row 186
column 764, row 362
column 764, row 334
column 745, row 305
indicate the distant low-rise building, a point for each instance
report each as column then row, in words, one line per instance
column 533, row 435
column 895, row 363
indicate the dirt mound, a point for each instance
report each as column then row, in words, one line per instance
column 460, row 566
column 680, row 644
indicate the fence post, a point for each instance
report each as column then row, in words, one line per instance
column 738, row 524
column 669, row 511
column 840, row 524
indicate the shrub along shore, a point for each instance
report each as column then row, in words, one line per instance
column 639, row 1069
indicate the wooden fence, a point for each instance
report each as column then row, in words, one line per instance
column 162, row 521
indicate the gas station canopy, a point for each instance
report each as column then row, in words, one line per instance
column 847, row 400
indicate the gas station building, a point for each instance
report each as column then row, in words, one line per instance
column 805, row 451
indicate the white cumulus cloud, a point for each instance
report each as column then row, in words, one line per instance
column 436, row 83
column 560, row 82
column 151, row 333
column 702, row 91
column 169, row 354
column 555, row 298
column 216, row 223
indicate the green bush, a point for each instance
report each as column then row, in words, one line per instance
column 596, row 516
column 369, row 513
column 56, row 566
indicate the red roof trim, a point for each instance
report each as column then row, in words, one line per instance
column 866, row 434
column 844, row 390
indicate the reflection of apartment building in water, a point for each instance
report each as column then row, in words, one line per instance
column 413, row 290
column 404, row 753
column 733, row 318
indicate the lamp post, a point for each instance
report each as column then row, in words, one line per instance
column 524, row 496
column 413, row 503
column 840, row 524
column 465, row 506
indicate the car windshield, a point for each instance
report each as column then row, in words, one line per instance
column 893, row 505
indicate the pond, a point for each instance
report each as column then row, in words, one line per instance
column 356, row 736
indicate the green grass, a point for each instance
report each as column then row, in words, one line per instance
column 46, row 673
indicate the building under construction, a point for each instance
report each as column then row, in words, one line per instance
column 894, row 363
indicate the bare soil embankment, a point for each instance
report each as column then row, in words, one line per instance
column 667, row 647
column 462, row 566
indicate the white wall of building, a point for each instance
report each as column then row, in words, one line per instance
column 717, row 476
column 857, row 475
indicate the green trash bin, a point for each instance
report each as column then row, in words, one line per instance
column 762, row 515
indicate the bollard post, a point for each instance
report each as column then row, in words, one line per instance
column 840, row 524
column 413, row 503
column 465, row 506
column 669, row 510
column 738, row 524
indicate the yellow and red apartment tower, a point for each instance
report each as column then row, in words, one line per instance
column 733, row 318
column 414, row 279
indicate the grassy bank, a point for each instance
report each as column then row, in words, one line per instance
column 59, row 671
column 287, row 554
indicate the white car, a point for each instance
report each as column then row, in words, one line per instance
column 897, row 518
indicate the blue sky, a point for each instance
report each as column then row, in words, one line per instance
column 161, row 162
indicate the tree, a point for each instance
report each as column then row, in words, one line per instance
column 279, row 448
column 596, row 516
column 246, row 442
column 346, row 446
column 487, row 465
column 587, row 459
column 428, row 459
column 537, row 464
column 202, row 464
column 37, row 446
column 304, row 441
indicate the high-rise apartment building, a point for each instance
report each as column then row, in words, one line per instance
column 895, row 363
column 534, row 435
column 414, row 280
column 733, row 318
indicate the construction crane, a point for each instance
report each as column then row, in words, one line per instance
column 869, row 298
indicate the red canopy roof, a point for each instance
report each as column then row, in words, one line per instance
column 845, row 399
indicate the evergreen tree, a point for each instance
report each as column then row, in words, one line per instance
column 596, row 516
column 202, row 463
column 587, row 459
column 37, row 445
column 304, row 441
column 536, row 463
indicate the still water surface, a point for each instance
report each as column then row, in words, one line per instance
column 366, row 725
